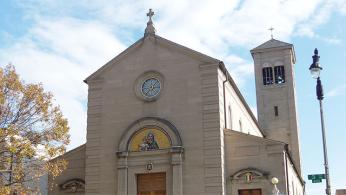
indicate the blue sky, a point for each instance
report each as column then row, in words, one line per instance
column 60, row 43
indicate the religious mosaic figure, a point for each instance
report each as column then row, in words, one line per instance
column 149, row 143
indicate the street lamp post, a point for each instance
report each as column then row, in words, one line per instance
column 275, row 190
column 315, row 70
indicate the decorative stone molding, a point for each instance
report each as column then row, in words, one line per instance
column 177, row 149
column 142, row 78
column 73, row 186
column 249, row 178
column 249, row 175
column 168, row 127
column 122, row 154
column 168, row 160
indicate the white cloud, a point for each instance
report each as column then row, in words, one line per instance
column 210, row 24
column 339, row 90
column 240, row 68
column 321, row 16
column 332, row 40
column 70, row 39
column 60, row 54
column 342, row 7
column 83, row 42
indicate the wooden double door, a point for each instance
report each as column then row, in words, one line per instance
column 250, row 192
column 151, row 184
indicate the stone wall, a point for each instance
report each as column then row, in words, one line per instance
column 283, row 127
column 188, row 100
column 238, row 116
column 75, row 172
column 248, row 152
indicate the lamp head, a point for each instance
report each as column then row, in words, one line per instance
column 275, row 181
column 315, row 68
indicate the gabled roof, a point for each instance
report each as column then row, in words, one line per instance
column 156, row 39
column 241, row 97
column 114, row 60
column 71, row 152
column 274, row 44
column 230, row 132
column 191, row 52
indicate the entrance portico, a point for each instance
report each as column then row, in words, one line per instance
column 150, row 152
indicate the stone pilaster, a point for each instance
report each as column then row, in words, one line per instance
column 177, row 166
column 212, row 145
column 93, row 145
column 122, row 169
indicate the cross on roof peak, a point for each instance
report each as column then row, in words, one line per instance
column 150, row 14
column 271, row 32
column 150, row 29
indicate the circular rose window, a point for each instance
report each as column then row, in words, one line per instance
column 151, row 87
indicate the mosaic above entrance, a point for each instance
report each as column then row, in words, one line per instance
column 148, row 139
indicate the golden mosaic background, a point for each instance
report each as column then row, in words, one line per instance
column 161, row 138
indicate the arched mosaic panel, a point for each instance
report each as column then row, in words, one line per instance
column 149, row 139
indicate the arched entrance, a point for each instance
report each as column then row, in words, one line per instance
column 150, row 159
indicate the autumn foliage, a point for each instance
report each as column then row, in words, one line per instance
column 32, row 132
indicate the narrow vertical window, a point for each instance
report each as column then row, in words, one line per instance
column 276, row 111
column 240, row 126
column 267, row 74
column 279, row 72
column 229, row 117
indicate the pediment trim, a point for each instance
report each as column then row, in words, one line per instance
column 73, row 186
column 137, row 125
column 249, row 174
column 160, row 41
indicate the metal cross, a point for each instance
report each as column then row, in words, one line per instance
column 271, row 31
column 150, row 14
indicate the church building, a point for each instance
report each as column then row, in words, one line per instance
column 164, row 119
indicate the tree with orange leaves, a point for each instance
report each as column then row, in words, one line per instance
column 32, row 132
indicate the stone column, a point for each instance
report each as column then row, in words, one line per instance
column 122, row 169
column 177, row 170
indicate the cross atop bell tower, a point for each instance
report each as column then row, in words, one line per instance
column 271, row 32
column 150, row 29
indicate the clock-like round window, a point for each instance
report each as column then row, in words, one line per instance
column 151, row 87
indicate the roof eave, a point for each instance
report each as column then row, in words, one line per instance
column 241, row 97
column 156, row 37
column 260, row 50
column 109, row 63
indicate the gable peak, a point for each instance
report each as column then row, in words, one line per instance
column 272, row 43
column 150, row 29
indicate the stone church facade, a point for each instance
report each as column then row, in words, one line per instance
column 165, row 119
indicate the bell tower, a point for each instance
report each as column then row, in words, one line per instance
column 275, row 90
